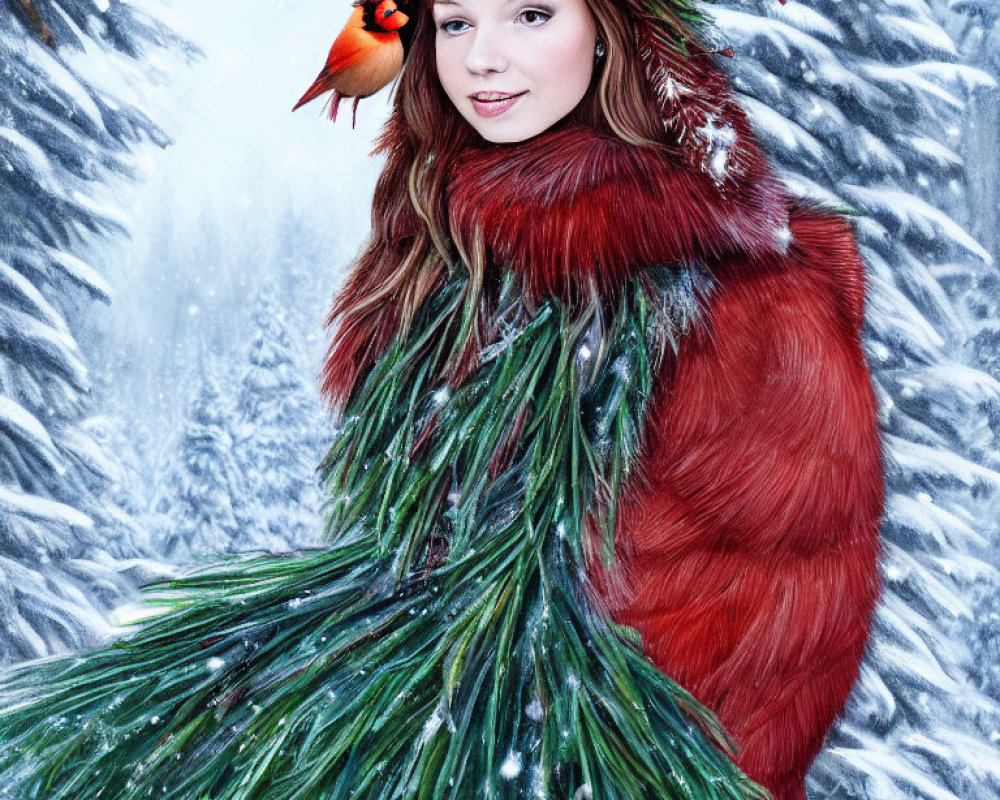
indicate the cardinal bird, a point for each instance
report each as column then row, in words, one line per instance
column 366, row 55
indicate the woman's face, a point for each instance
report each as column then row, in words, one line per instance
column 513, row 68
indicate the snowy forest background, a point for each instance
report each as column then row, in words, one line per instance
column 170, row 238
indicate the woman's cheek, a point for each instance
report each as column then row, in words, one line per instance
column 449, row 60
column 571, row 57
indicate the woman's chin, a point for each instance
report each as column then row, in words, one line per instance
column 504, row 134
column 511, row 134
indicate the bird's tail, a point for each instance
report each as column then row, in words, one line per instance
column 319, row 86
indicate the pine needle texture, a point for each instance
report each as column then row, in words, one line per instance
column 446, row 643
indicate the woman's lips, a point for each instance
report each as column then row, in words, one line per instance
column 485, row 106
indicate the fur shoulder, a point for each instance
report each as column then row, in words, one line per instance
column 576, row 204
column 825, row 241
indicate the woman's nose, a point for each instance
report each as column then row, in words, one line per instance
column 486, row 53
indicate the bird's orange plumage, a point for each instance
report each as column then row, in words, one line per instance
column 361, row 61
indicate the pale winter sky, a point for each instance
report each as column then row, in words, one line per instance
column 205, row 218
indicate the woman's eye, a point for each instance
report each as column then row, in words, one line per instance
column 534, row 16
column 453, row 26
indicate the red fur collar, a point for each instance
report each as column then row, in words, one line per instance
column 575, row 203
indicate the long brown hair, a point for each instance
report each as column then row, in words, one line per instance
column 411, row 250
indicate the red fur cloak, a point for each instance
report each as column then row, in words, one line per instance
column 748, row 538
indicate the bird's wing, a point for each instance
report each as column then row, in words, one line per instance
column 353, row 46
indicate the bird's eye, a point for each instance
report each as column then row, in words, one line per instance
column 534, row 16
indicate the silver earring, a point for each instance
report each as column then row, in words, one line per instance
column 599, row 50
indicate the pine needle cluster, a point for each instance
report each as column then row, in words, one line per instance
column 445, row 644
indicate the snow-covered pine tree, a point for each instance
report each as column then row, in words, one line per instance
column 130, row 486
column 295, row 248
column 975, row 25
column 71, row 75
column 860, row 105
column 281, row 438
column 198, row 499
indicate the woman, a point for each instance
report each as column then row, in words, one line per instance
column 595, row 375
column 747, row 539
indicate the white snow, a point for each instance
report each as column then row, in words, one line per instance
column 940, row 154
column 81, row 272
column 21, row 423
column 66, row 87
column 18, row 288
column 132, row 613
column 937, row 463
column 16, row 502
column 915, row 214
column 512, row 765
column 922, row 35
column 745, row 27
column 905, row 567
column 889, row 775
column 433, row 723
column 808, row 20
column 96, row 209
column 27, row 157
column 932, row 522
column 771, row 125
